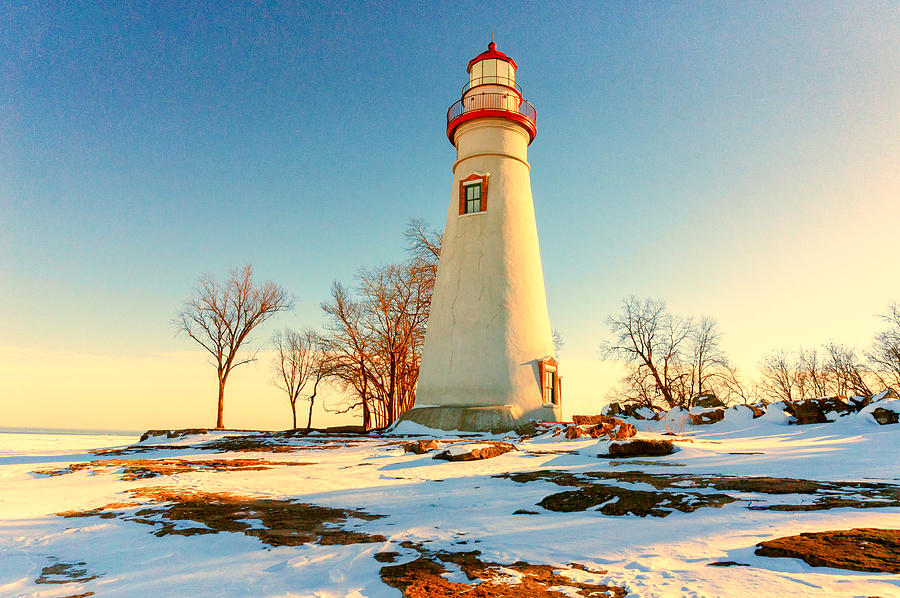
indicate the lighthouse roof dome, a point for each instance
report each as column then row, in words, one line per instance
column 492, row 52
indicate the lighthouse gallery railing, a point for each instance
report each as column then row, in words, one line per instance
column 507, row 102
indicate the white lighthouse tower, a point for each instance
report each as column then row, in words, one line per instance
column 488, row 359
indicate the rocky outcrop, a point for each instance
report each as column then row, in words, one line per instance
column 641, row 447
column 420, row 447
column 707, row 416
column 817, row 411
column 173, row 433
column 757, row 410
column 885, row 416
column 630, row 410
column 599, row 426
column 474, row 451
column 708, row 401
column 863, row 549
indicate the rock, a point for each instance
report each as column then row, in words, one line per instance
column 813, row 411
column 612, row 409
column 859, row 402
column 640, row 412
column 757, row 410
column 890, row 393
column 573, row 432
column 474, row 451
column 599, row 426
column 885, row 416
column 615, row 429
column 589, row 420
column 707, row 401
column 862, row 549
column 710, row 416
column 641, row 448
column 629, row 410
column 420, row 447
column 172, row 433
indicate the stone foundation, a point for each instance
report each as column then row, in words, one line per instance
column 495, row 418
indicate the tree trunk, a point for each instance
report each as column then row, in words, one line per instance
column 219, row 422
column 294, row 414
column 312, row 401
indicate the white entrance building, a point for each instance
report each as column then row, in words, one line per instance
column 488, row 359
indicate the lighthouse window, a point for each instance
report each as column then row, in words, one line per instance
column 548, row 377
column 473, row 198
column 473, row 192
column 550, row 388
column 490, row 71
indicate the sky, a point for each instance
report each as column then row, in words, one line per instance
column 738, row 160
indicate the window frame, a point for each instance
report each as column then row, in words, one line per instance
column 550, row 382
column 473, row 180
column 471, row 206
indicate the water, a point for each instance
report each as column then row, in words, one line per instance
column 48, row 441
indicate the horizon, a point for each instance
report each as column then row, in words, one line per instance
column 740, row 162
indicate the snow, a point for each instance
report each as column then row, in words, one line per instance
column 442, row 504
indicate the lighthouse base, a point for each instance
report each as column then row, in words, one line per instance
column 493, row 418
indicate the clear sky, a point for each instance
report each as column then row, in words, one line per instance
column 740, row 160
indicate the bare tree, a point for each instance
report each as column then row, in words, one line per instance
column 670, row 361
column 220, row 316
column 651, row 342
column 884, row 354
column 300, row 364
column 558, row 343
column 377, row 336
column 848, row 375
column 779, row 376
column 812, row 375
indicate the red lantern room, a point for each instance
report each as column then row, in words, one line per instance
column 492, row 91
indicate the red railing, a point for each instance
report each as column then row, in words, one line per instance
column 506, row 102
column 491, row 80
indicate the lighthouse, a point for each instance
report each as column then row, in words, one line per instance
column 488, row 360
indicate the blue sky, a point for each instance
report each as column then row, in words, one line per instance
column 739, row 160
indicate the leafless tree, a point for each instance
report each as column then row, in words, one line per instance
column 220, row 316
column 812, row 375
column 652, row 343
column 848, row 375
column 884, row 354
column 558, row 343
column 779, row 377
column 300, row 364
column 377, row 335
column 710, row 371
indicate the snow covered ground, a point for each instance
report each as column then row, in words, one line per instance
column 135, row 547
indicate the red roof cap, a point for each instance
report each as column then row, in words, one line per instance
column 491, row 53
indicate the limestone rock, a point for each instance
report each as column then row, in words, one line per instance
column 840, row 549
column 474, row 451
column 708, row 401
column 420, row 447
column 630, row 410
column 599, row 426
column 815, row 411
column 172, row 433
column 640, row 447
column 757, row 410
column 573, row 432
column 708, row 416
column 612, row 409
column 885, row 416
